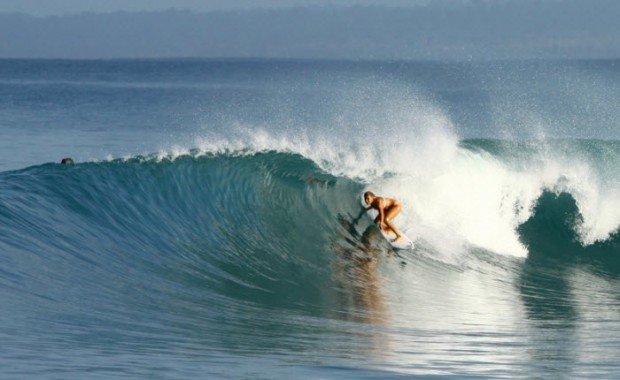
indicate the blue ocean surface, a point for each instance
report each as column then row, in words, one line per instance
column 211, row 225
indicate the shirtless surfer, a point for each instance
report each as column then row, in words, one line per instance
column 388, row 209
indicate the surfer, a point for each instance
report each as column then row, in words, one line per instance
column 388, row 209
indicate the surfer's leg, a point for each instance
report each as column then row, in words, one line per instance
column 387, row 229
column 390, row 213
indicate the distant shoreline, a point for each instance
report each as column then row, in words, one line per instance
column 437, row 31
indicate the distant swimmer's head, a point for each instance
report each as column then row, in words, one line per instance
column 369, row 196
column 67, row 161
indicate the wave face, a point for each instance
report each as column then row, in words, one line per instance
column 258, row 223
column 241, row 201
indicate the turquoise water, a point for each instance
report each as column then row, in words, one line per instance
column 211, row 225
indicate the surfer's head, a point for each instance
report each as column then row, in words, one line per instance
column 67, row 161
column 369, row 196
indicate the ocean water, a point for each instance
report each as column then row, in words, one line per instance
column 211, row 225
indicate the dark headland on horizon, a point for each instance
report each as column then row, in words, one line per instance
column 443, row 29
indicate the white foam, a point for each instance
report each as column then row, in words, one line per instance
column 453, row 197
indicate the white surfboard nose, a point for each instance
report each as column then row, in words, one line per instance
column 402, row 243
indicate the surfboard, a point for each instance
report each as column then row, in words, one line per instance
column 403, row 243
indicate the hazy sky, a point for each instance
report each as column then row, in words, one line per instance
column 59, row 7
